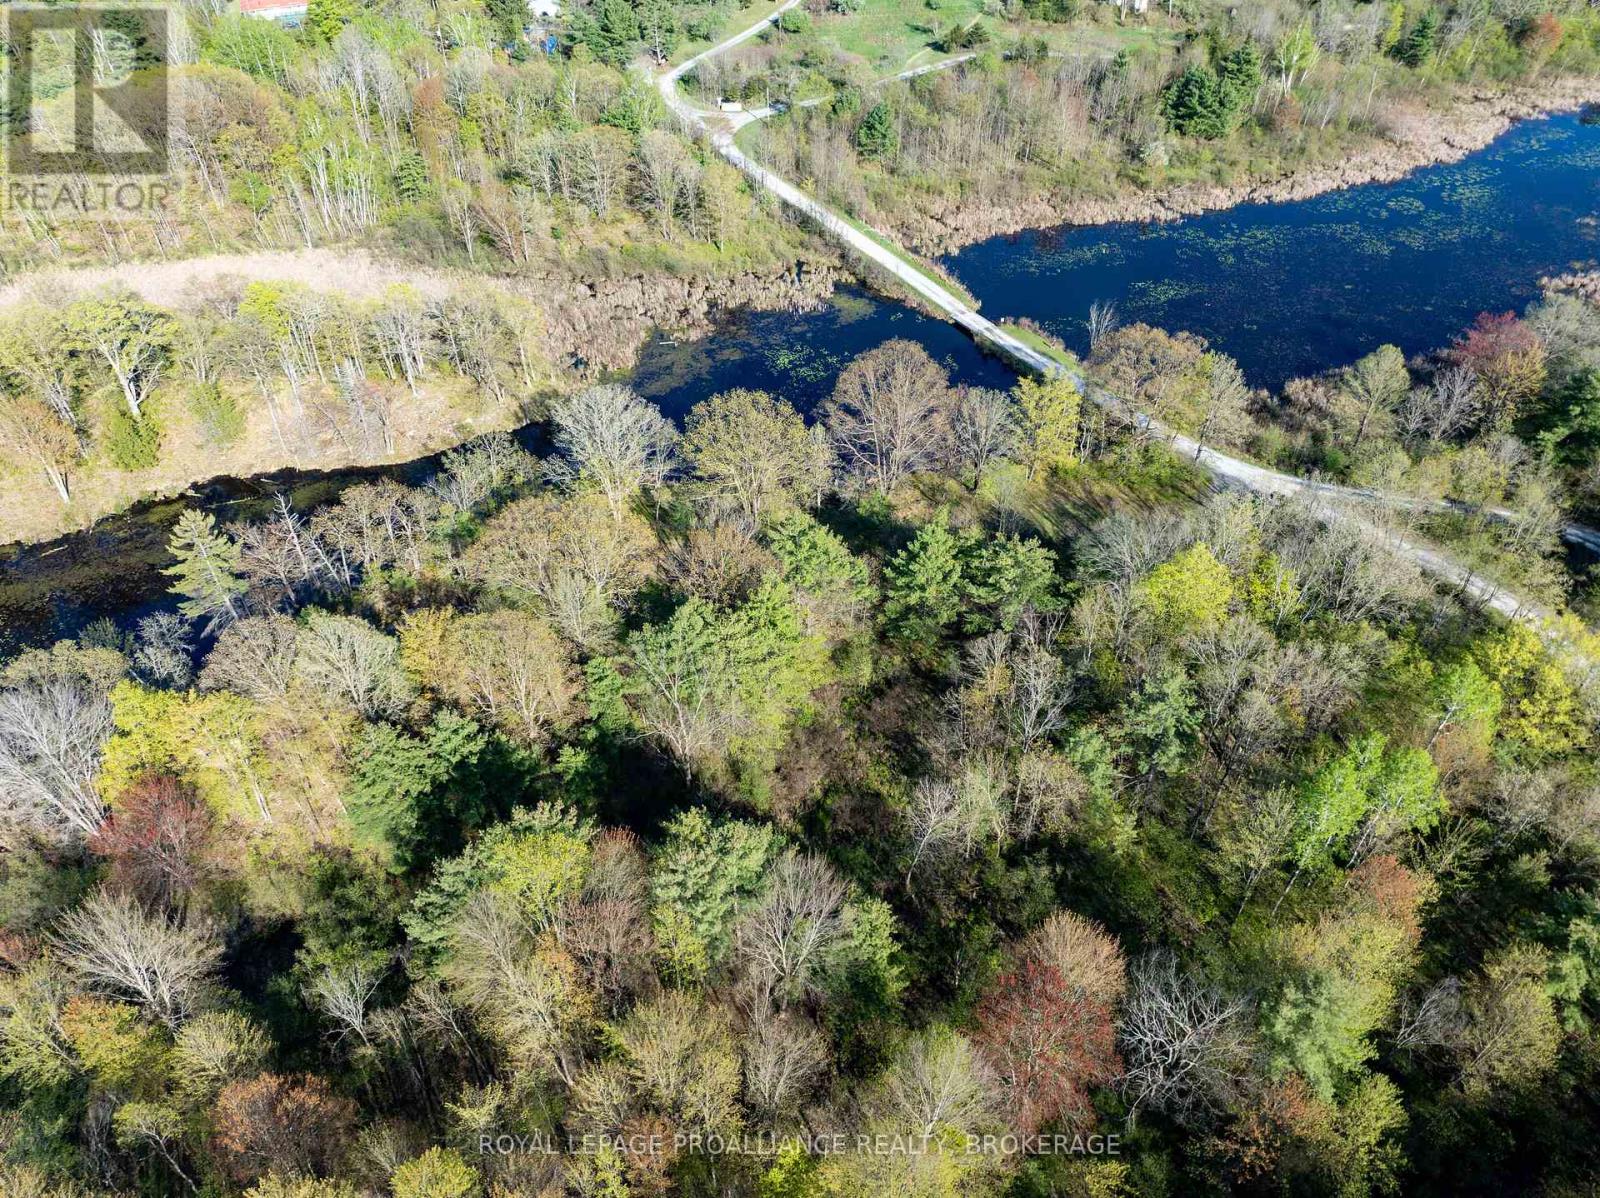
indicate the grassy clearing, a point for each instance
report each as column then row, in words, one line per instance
column 891, row 35
column 736, row 22
column 1097, row 38
column 1066, row 503
column 895, row 35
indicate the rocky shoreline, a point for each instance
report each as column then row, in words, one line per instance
column 1412, row 138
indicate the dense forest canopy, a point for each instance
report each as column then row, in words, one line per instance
column 939, row 793
column 941, row 796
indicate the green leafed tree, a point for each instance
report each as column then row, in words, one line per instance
column 1240, row 74
column 1005, row 577
column 127, row 336
column 1335, row 800
column 1196, row 104
column 1418, row 46
column 1190, row 591
column 752, row 453
column 325, row 18
column 1047, row 423
column 437, row 1173
column 702, row 876
column 419, row 796
column 1318, row 1027
column 1159, row 721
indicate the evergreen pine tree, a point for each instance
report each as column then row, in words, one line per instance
column 1196, row 104
column 1418, row 46
column 658, row 26
column 615, row 32
column 924, row 584
column 207, row 570
column 875, row 136
column 1240, row 73
column 325, row 18
column 509, row 16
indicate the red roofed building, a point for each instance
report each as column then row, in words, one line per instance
column 290, row 12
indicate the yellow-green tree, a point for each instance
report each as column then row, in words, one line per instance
column 1191, row 590
column 1047, row 423
column 212, row 740
column 437, row 1173
column 752, row 453
column 1540, row 708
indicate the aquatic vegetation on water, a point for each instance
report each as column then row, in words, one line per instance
column 1301, row 287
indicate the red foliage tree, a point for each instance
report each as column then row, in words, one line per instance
column 1540, row 36
column 1253, row 1146
column 157, row 841
column 1509, row 360
column 1048, row 1042
column 1398, row 893
column 294, row 1126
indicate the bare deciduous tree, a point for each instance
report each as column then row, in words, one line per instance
column 938, row 1080
column 934, row 821
column 1102, row 320
column 1222, row 402
column 343, row 993
column 984, row 428
column 254, row 657
column 1345, row 570
column 952, row 817
column 51, row 735
column 527, row 996
column 111, row 944
column 667, row 176
column 163, row 650
column 612, row 438
column 568, row 556
column 784, row 937
column 1438, row 412
column 1186, row 1044
column 890, row 415
column 510, row 668
column 400, row 328
column 1432, row 1019
column 351, row 660
column 681, row 1056
column 473, row 472
column 375, row 524
column 784, row 1057
column 1087, row 957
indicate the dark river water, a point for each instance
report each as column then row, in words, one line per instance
column 1285, row 288
column 1296, row 288
column 799, row 355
